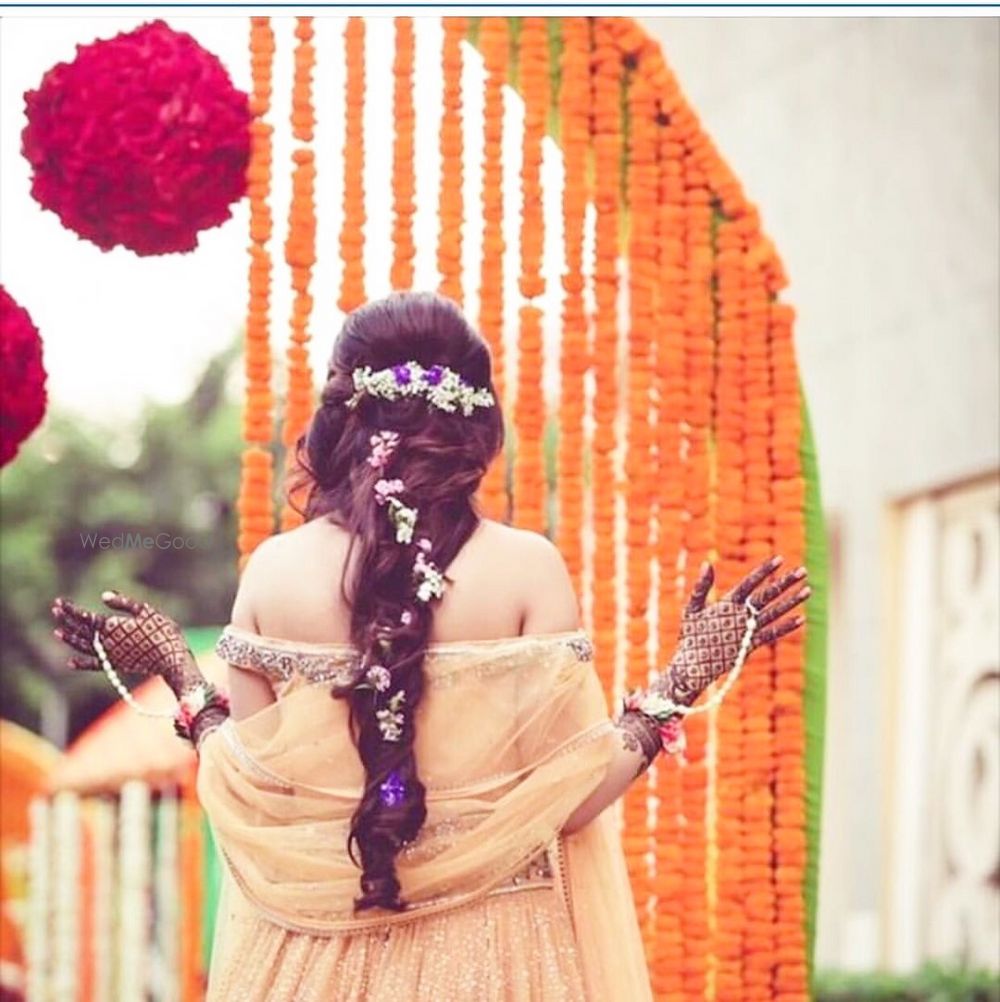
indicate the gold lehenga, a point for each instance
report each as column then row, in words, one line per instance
column 512, row 735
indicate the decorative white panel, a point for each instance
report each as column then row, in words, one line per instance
column 962, row 913
column 943, row 837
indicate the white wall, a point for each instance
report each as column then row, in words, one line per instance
column 871, row 147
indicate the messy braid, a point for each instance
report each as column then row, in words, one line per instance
column 440, row 458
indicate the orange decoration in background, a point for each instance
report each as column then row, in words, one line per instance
column 254, row 505
column 403, row 180
column 493, row 44
column 190, row 855
column 642, row 192
column 574, row 116
column 666, row 962
column 300, row 254
column 451, row 204
column 607, row 146
column 529, row 407
column 352, row 230
column 694, row 441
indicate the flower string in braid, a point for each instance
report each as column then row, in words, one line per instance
column 430, row 585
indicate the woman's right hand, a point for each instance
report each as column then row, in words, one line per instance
column 142, row 642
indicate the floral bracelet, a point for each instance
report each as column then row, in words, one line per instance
column 193, row 703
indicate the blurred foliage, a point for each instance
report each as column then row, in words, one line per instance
column 933, row 983
column 170, row 476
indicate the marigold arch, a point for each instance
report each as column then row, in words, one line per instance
column 682, row 433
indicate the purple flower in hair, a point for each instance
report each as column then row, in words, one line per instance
column 402, row 374
column 392, row 791
column 434, row 375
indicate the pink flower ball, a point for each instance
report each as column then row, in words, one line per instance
column 141, row 141
column 22, row 377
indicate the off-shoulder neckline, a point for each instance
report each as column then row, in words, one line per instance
column 441, row 646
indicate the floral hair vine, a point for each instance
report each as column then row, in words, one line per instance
column 442, row 387
column 431, row 584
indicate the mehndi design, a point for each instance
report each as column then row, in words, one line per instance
column 711, row 640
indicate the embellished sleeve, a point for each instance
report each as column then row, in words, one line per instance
column 280, row 661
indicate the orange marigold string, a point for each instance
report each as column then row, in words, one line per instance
column 730, row 777
column 352, row 231
column 758, row 685
column 300, row 254
column 451, row 206
column 642, row 188
column 190, row 850
column 699, row 364
column 666, row 969
column 574, row 116
column 403, row 180
column 493, row 44
column 529, row 408
column 254, row 505
column 791, row 979
column 607, row 143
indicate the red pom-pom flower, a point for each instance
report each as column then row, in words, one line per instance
column 22, row 377
column 141, row 140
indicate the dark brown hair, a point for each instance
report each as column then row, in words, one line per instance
column 441, row 458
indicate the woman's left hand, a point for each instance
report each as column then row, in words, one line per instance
column 143, row 642
column 711, row 634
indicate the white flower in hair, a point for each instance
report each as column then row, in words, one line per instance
column 404, row 519
column 390, row 719
column 432, row 580
column 379, row 677
column 441, row 386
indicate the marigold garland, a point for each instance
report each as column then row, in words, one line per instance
column 666, row 967
column 607, row 146
column 403, row 180
column 710, row 409
column 352, row 230
column 300, row 254
column 642, row 191
column 695, row 471
column 190, row 854
column 255, row 508
column 529, row 407
column 791, row 978
column 730, row 470
column 451, row 205
column 493, row 43
column 574, row 116
column 758, row 695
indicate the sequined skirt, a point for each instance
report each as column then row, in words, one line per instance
column 516, row 944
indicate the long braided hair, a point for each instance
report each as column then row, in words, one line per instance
column 439, row 457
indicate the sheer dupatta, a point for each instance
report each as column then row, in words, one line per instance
column 511, row 736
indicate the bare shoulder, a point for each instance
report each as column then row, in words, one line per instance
column 285, row 557
column 545, row 588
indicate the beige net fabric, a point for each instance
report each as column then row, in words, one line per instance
column 512, row 735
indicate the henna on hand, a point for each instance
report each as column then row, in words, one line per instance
column 146, row 642
column 711, row 634
column 639, row 734
column 207, row 721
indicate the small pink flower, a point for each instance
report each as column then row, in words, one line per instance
column 386, row 489
column 425, row 544
column 383, row 445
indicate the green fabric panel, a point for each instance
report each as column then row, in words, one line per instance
column 814, row 700
column 211, row 871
